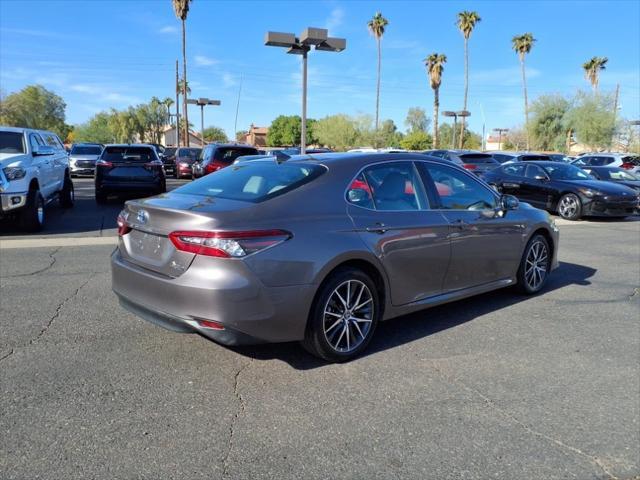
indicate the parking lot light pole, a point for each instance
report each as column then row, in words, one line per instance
column 455, row 115
column 310, row 37
column 202, row 102
column 500, row 132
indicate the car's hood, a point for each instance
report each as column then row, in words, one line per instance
column 608, row 188
column 7, row 159
column 83, row 157
column 630, row 183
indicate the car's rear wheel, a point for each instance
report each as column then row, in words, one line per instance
column 535, row 265
column 570, row 207
column 67, row 195
column 32, row 217
column 343, row 317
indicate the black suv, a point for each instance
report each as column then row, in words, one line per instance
column 129, row 169
column 216, row 156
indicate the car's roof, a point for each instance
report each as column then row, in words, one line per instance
column 235, row 145
column 542, row 163
column 87, row 144
column 148, row 145
column 358, row 158
column 21, row 129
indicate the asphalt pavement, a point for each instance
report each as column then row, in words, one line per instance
column 498, row 386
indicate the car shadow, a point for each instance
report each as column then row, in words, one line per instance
column 408, row 328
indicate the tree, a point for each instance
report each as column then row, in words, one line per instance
column 388, row 134
column 592, row 70
column 377, row 27
column 466, row 23
column 416, row 140
column 522, row 45
column 35, row 107
column 285, row 131
column 435, row 66
column 215, row 134
column 592, row 120
column 240, row 135
column 417, row 120
column 548, row 127
column 95, row 130
column 181, row 8
column 337, row 131
column 516, row 139
column 471, row 139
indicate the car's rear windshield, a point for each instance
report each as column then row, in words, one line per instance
column 169, row 151
column 229, row 154
column 189, row 152
column 253, row 181
column 129, row 154
column 477, row 158
column 86, row 150
column 529, row 158
column 502, row 158
column 631, row 159
column 11, row 142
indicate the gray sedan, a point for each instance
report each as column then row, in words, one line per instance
column 321, row 248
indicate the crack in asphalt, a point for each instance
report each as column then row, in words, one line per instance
column 489, row 402
column 636, row 293
column 53, row 317
column 239, row 411
column 51, row 264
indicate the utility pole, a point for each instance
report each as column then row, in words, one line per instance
column 202, row 102
column 615, row 112
column 177, row 108
column 235, row 123
column 500, row 132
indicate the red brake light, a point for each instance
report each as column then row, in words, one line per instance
column 123, row 226
column 469, row 166
column 212, row 167
column 627, row 166
column 227, row 244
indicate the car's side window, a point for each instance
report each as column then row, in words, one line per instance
column 514, row 169
column 534, row 171
column 393, row 186
column 459, row 191
column 35, row 141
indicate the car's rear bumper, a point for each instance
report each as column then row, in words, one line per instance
column 83, row 171
column 218, row 290
column 129, row 185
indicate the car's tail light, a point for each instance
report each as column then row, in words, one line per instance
column 470, row 166
column 227, row 244
column 210, row 324
column 627, row 165
column 123, row 226
column 154, row 163
column 103, row 163
column 212, row 167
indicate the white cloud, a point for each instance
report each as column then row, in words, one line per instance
column 104, row 94
column 168, row 29
column 229, row 80
column 203, row 61
column 335, row 20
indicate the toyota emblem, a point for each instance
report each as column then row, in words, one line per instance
column 142, row 216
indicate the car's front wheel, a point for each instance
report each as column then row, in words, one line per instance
column 32, row 217
column 67, row 195
column 570, row 207
column 343, row 317
column 535, row 265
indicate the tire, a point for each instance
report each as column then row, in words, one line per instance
column 334, row 333
column 67, row 195
column 534, row 265
column 101, row 197
column 570, row 207
column 32, row 218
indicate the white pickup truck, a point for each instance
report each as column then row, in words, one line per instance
column 34, row 171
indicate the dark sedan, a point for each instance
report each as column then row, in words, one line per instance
column 476, row 162
column 565, row 189
column 616, row 175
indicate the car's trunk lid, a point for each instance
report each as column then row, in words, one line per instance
column 152, row 220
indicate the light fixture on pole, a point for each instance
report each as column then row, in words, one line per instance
column 455, row 115
column 202, row 102
column 500, row 132
column 311, row 37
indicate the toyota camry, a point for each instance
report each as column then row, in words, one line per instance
column 321, row 248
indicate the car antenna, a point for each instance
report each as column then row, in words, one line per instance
column 281, row 157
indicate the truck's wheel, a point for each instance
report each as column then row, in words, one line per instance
column 32, row 217
column 67, row 195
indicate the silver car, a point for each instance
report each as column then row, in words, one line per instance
column 83, row 157
column 321, row 248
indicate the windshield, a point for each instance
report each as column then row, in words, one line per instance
column 192, row 153
column 86, row 150
column 566, row 172
column 616, row 174
column 477, row 158
column 129, row 154
column 169, row 151
column 11, row 142
column 253, row 181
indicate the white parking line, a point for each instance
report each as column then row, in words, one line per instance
column 57, row 242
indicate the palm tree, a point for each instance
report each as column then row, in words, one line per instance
column 592, row 70
column 522, row 45
column 181, row 8
column 435, row 66
column 376, row 26
column 466, row 23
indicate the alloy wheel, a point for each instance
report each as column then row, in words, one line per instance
column 348, row 316
column 535, row 270
column 40, row 211
column 568, row 206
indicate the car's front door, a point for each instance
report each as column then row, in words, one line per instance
column 44, row 165
column 389, row 209
column 486, row 242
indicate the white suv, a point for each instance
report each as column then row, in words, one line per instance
column 630, row 162
column 34, row 170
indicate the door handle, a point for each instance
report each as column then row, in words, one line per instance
column 461, row 224
column 378, row 228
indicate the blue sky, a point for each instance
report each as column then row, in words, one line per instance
column 100, row 54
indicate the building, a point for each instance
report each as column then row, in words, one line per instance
column 256, row 136
column 169, row 138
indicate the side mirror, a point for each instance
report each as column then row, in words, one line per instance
column 43, row 150
column 509, row 202
column 541, row 178
column 358, row 196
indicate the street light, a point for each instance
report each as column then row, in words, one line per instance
column 201, row 102
column 310, row 37
column 455, row 115
column 500, row 132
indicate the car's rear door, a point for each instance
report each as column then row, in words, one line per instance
column 486, row 243
column 511, row 178
column 390, row 211
column 535, row 187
